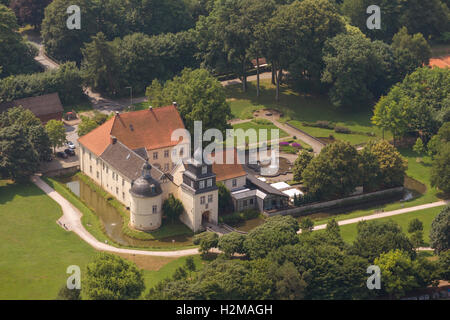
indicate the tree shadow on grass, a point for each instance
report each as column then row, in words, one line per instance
column 10, row 189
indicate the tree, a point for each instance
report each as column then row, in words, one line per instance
column 400, row 274
column 232, row 243
column 56, row 133
column 392, row 166
column 110, row 277
column 16, row 56
column 439, row 139
column 86, row 125
column 334, row 172
column 415, row 225
column 440, row 231
column 418, row 104
column 357, row 69
column 300, row 164
column 306, row 225
column 275, row 232
column 68, row 294
column 369, row 170
column 418, row 147
column 206, row 241
column 444, row 265
column 416, row 44
column 99, row 65
column 415, row 228
column 29, row 11
column 333, row 229
column 172, row 208
column 190, row 264
column 225, row 200
column 18, row 159
column 289, row 283
column 374, row 238
column 200, row 97
column 32, row 128
column 440, row 170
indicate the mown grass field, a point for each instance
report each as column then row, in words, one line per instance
column 298, row 108
column 349, row 231
column 35, row 251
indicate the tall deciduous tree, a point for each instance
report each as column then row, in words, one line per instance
column 56, row 133
column 300, row 164
column 172, row 208
column 200, row 97
column 440, row 170
column 440, row 231
column 110, row 277
column 334, row 172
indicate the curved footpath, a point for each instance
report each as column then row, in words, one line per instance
column 387, row 214
column 71, row 221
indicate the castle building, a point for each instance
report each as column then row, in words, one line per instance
column 130, row 156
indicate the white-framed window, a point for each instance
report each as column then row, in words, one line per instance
column 155, row 155
column 154, row 209
column 209, row 183
column 202, row 200
column 210, row 198
column 204, row 170
column 202, row 184
column 166, row 153
column 234, row 182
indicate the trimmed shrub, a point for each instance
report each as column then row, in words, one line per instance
column 339, row 129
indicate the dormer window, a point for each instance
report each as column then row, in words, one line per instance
column 209, row 183
column 202, row 184
column 204, row 170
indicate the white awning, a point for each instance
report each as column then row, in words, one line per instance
column 292, row 192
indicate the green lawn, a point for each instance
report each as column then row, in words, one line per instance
column 153, row 277
column 257, row 125
column 298, row 108
column 35, row 251
column 426, row 216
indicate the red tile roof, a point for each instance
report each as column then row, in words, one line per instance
column 442, row 62
column 227, row 171
column 149, row 129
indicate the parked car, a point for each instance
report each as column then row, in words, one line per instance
column 69, row 152
column 70, row 144
column 62, row 155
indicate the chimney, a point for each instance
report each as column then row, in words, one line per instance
column 175, row 104
column 113, row 140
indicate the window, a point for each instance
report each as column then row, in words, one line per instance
column 251, row 201
column 209, row 183
column 245, row 203
column 202, row 184
column 90, row 169
column 166, row 167
column 155, row 155
column 117, row 190
column 123, row 195
column 107, row 169
column 210, row 198
column 112, row 175
column 166, row 153
column 181, row 151
column 204, row 170
column 192, row 184
column 234, row 182
column 154, row 209
column 202, row 200
column 98, row 175
column 123, row 182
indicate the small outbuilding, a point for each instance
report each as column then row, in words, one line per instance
column 46, row 107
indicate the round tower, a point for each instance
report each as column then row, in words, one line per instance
column 146, row 201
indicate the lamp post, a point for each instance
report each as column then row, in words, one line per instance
column 131, row 97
